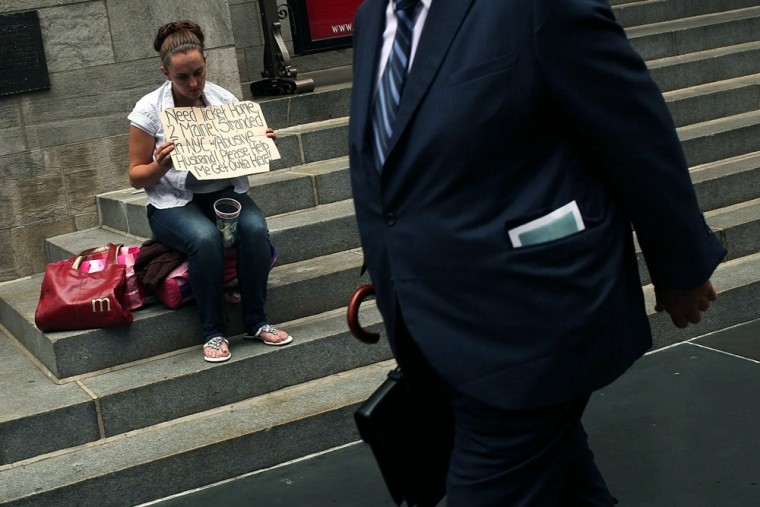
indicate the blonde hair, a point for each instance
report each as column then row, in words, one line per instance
column 178, row 37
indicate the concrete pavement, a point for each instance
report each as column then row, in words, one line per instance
column 678, row 430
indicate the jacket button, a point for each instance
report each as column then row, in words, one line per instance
column 390, row 219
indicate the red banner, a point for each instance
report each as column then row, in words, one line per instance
column 330, row 19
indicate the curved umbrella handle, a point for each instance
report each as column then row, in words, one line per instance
column 352, row 316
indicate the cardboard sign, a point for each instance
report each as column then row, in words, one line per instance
column 218, row 142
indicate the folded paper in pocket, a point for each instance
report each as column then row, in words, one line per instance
column 559, row 223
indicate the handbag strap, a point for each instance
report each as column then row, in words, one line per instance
column 113, row 252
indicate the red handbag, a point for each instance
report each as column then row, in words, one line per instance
column 134, row 292
column 71, row 299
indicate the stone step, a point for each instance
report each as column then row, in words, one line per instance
column 269, row 429
column 312, row 142
column 303, row 235
column 275, row 192
column 722, row 138
column 718, row 184
column 738, row 227
column 309, row 143
column 322, row 104
column 711, row 101
column 323, row 230
column 636, row 13
column 67, row 245
column 699, row 33
column 327, row 181
column 145, row 393
column 296, row 290
column 204, row 448
column 304, row 146
column 728, row 181
column 297, row 236
column 327, row 139
column 326, row 136
column 684, row 71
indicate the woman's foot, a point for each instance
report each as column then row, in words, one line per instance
column 216, row 350
column 270, row 335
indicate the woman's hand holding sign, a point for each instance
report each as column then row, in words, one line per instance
column 163, row 156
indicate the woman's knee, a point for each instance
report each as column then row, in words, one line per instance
column 253, row 225
column 206, row 242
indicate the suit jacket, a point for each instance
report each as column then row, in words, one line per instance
column 513, row 109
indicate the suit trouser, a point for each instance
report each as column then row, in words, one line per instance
column 510, row 458
column 521, row 458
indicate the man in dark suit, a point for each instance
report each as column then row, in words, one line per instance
column 496, row 217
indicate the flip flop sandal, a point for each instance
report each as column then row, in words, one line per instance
column 266, row 328
column 216, row 344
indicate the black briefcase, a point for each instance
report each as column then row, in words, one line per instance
column 411, row 437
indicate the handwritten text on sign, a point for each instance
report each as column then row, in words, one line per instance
column 218, row 142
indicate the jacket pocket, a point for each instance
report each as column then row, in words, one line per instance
column 484, row 69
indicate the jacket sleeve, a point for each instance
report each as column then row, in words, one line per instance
column 608, row 98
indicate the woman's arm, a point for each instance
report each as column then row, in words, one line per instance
column 143, row 170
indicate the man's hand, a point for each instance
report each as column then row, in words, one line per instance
column 685, row 306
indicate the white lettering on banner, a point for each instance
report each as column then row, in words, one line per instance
column 219, row 141
column 344, row 28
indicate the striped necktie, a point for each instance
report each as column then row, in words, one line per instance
column 392, row 82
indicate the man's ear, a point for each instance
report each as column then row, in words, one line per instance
column 164, row 72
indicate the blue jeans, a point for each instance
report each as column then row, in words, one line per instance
column 192, row 229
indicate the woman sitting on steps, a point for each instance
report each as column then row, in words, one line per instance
column 180, row 209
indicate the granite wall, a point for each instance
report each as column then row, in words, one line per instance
column 61, row 147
